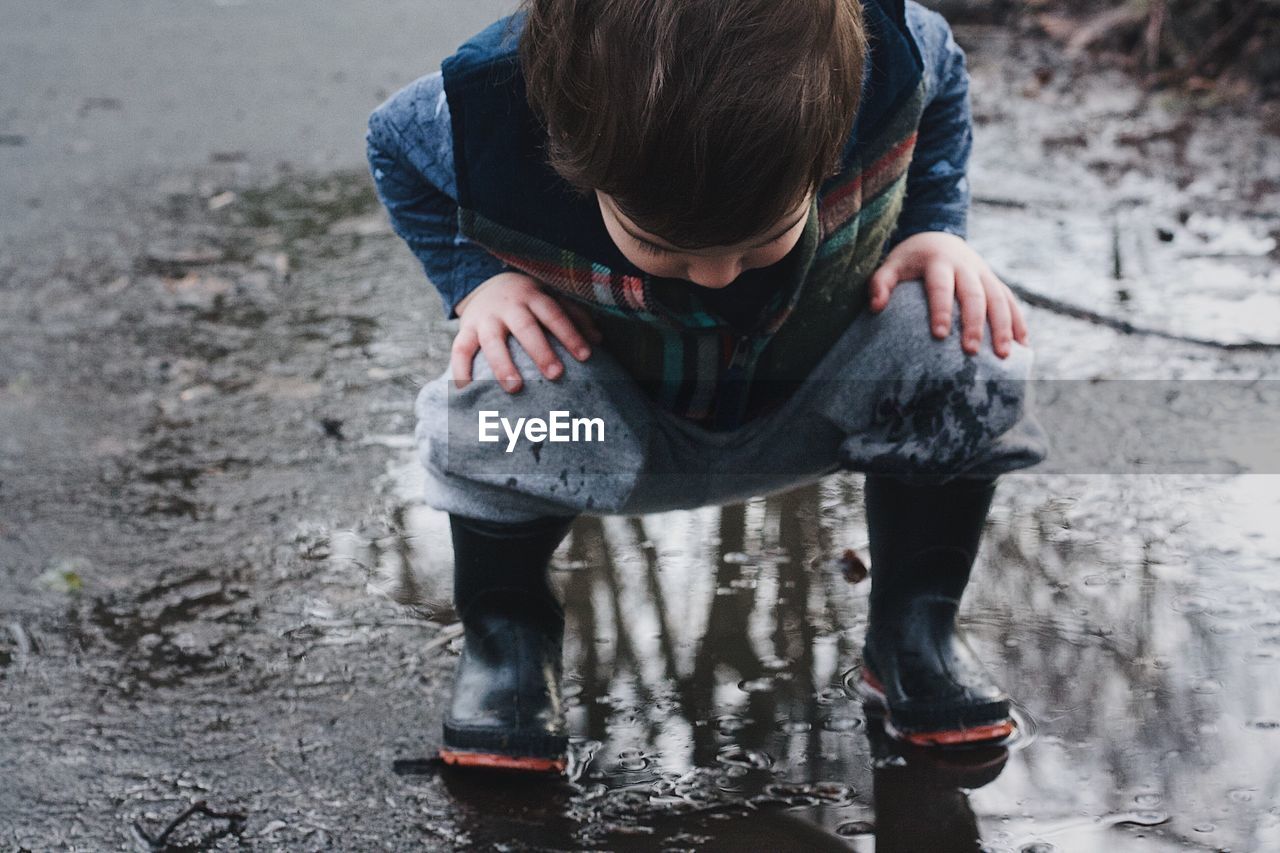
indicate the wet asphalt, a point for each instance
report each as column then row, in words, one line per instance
column 219, row 586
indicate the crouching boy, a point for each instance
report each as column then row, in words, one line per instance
column 732, row 233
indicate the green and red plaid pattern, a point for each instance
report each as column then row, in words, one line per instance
column 706, row 366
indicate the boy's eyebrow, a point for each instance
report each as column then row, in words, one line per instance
column 803, row 215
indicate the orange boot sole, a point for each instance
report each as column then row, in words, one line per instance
column 498, row 761
column 872, row 689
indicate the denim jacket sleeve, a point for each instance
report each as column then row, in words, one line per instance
column 410, row 150
column 937, row 186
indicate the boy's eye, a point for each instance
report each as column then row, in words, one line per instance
column 650, row 248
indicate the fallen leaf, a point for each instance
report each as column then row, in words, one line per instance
column 852, row 566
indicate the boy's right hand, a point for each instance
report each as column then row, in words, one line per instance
column 512, row 303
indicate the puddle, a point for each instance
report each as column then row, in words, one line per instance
column 182, row 628
column 708, row 654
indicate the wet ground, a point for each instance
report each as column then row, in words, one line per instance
column 209, row 513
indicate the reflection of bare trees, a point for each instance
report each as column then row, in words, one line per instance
column 770, row 597
column 727, row 644
column 1089, row 600
column 723, row 644
column 1112, row 651
column 1108, row 633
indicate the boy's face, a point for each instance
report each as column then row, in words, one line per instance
column 713, row 267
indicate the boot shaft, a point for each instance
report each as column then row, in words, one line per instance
column 505, row 565
column 924, row 539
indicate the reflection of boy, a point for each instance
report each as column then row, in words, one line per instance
column 695, row 200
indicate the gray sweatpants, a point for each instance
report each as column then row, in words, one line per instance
column 887, row 398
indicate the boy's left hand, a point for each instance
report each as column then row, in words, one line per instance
column 953, row 272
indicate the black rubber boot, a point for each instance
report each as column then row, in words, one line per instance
column 918, row 667
column 506, row 709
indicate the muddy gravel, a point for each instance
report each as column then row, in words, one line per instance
column 224, row 618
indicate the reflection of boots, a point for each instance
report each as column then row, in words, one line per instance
column 917, row 664
column 506, row 709
column 920, row 795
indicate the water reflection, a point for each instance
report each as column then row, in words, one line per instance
column 1135, row 619
column 921, row 797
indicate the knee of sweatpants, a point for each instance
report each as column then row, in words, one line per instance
column 905, row 346
column 594, row 471
column 448, row 416
column 934, row 409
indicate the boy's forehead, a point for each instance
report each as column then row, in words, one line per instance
column 766, row 235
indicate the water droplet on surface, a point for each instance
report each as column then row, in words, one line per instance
column 752, row 759
column 1141, row 818
column 786, row 790
column 794, row 727
column 729, row 724
column 834, row 693
column 632, row 760
column 835, row 793
column 842, row 724
column 1206, row 686
column 855, row 827
column 1038, row 847
column 756, row 685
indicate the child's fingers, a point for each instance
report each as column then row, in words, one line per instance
column 973, row 308
column 528, row 331
column 1020, row 331
column 998, row 314
column 552, row 315
column 882, row 284
column 461, row 354
column 493, row 343
column 940, row 287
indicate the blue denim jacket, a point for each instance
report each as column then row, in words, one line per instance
column 412, row 164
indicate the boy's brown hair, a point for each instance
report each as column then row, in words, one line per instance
column 707, row 121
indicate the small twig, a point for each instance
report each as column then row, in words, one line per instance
column 445, row 636
column 1155, row 32
column 1117, row 256
column 1066, row 309
column 995, row 201
column 1097, row 28
column 340, row 624
column 20, row 637
column 198, row 807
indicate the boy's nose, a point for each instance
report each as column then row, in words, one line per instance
column 714, row 273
